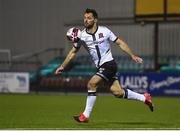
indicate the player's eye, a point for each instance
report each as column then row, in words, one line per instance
column 89, row 18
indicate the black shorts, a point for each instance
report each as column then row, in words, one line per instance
column 108, row 71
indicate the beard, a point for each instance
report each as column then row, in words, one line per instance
column 88, row 26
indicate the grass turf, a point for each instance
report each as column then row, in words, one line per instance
column 56, row 111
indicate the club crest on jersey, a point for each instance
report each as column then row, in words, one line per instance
column 101, row 35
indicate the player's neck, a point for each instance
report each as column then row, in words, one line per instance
column 92, row 30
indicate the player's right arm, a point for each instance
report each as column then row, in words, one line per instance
column 67, row 60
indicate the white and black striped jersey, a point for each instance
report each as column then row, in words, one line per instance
column 97, row 44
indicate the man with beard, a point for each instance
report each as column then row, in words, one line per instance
column 96, row 40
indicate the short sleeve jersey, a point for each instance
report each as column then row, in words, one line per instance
column 97, row 44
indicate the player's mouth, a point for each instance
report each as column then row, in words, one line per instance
column 86, row 24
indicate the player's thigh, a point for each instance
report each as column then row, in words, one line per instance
column 94, row 82
column 116, row 86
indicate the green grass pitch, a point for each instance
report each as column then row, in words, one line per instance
column 56, row 111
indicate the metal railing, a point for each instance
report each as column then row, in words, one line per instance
column 20, row 61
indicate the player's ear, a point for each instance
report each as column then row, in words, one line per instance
column 95, row 20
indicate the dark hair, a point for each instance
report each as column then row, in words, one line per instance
column 93, row 11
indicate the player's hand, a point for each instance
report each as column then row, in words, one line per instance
column 59, row 70
column 137, row 59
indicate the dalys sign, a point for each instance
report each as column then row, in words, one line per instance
column 158, row 84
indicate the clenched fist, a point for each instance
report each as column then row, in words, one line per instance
column 59, row 70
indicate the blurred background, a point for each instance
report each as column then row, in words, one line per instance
column 33, row 44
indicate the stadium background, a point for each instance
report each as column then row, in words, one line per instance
column 32, row 40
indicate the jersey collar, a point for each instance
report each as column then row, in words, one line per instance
column 92, row 33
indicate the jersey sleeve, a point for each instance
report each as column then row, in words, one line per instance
column 112, row 36
column 77, row 45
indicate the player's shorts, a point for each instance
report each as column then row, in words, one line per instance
column 107, row 71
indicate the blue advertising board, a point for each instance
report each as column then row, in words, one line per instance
column 157, row 84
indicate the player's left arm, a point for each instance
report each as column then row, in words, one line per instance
column 124, row 46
